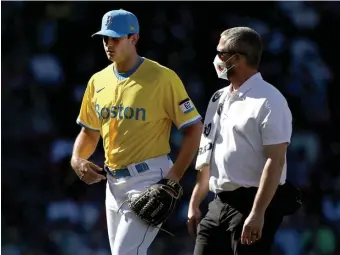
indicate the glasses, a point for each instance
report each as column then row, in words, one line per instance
column 222, row 54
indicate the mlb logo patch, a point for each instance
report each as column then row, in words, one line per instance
column 186, row 106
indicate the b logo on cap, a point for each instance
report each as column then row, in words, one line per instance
column 108, row 20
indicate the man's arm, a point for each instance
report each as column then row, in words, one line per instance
column 199, row 193
column 201, row 188
column 87, row 140
column 270, row 179
column 181, row 110
column 187, row 152
column 276, row 130
column 85, row 145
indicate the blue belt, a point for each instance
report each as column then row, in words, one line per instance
column 124, row 172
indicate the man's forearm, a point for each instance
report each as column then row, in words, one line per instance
column 201, row 188
column 269, row 182
column 188, row 150
column 85, row 145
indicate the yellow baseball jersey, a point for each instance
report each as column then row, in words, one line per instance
column 135, row 115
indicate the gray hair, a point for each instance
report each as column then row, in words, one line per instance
column 245, row 41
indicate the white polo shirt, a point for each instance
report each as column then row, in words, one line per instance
column 256, row 114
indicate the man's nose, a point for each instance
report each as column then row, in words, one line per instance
column 110, row 42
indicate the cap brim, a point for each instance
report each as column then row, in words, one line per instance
column 109, row 33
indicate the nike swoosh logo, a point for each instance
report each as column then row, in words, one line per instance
column 100, row 90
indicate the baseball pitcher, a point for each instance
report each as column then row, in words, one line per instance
column 132, row 104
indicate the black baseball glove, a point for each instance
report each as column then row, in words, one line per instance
column 157, row 202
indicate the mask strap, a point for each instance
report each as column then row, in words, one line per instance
column 230, row 58
column 233, row 64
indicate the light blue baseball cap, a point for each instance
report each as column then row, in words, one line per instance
column 118, row 23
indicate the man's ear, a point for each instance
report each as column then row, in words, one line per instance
column 238, row 57
column 135, row 38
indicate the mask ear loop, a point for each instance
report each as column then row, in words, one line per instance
column 232, row 66
column 235, row 64
column 235, row 55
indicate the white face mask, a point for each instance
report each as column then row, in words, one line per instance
column 221, row 68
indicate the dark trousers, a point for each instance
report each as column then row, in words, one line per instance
column 219, row 232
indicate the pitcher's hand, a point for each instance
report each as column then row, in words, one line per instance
column 87, row 171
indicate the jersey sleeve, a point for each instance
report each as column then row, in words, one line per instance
column 87, row 117
column 179, row 107
column 276, row 125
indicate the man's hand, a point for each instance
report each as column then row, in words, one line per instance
column 194, row 217
column 200, row 191
column 87, row 171
column 252, row 228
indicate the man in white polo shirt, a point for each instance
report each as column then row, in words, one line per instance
column 248, row 156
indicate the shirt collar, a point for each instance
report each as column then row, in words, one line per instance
column 248, row 84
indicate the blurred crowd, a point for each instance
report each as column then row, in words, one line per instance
column 48, row 57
